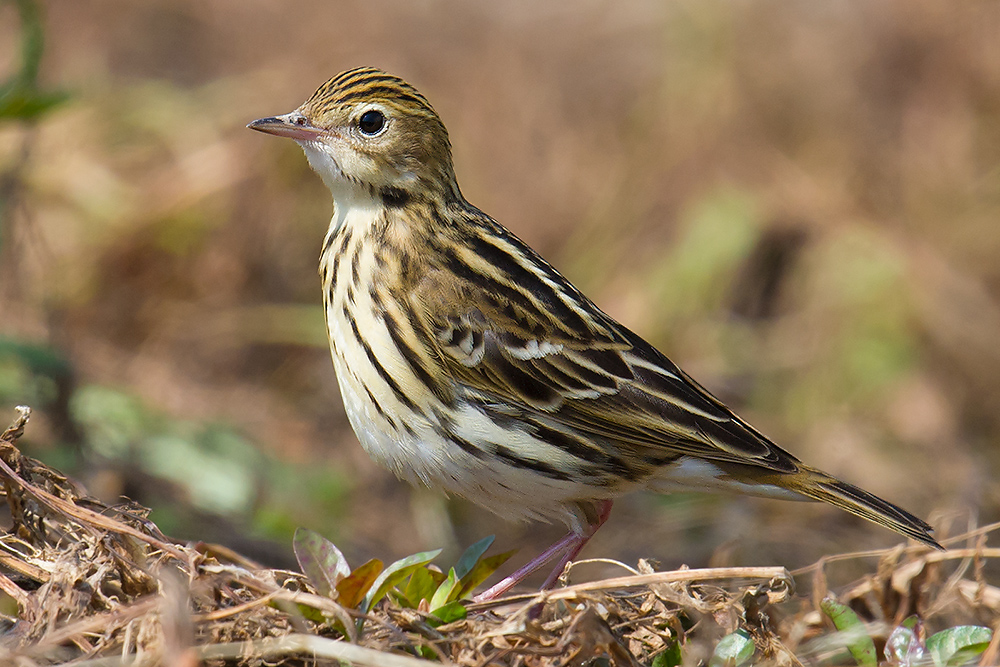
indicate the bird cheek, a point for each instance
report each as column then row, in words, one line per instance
column 355, row 165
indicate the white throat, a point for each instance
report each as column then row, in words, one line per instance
column 353, row 203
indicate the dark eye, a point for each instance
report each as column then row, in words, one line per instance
column 371, row 122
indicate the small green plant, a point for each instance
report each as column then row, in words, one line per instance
column 959, row 645
column 853, row 632
column 20, row 97
column 733, row 650
column 905, row 647
column 411, row 582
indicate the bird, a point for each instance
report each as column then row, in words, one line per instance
column 469, row 364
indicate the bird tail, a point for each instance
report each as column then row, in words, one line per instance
column 818, row 485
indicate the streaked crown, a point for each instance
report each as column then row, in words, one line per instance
column 383, row 132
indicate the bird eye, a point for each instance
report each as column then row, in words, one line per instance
column 371, row 122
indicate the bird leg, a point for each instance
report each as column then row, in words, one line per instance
column 569, row 546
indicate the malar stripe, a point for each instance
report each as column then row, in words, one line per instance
column 380, row 369
column 394, row 197
column 508, row 455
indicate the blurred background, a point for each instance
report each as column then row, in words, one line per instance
column 798, row 201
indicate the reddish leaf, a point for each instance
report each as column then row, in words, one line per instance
column 352, row 589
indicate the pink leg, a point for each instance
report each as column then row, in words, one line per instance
column 569, row 546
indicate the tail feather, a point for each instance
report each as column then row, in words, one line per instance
column 820, row 486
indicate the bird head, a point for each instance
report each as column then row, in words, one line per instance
column 366, row 133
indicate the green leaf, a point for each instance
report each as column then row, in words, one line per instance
column 421, row 586
column 472, row 556
column 38, row 358
column 443, row 594
column 19, row 96
column 732, row 650
column 453, row 611
column 312, row 614
column 320, row 560
column 394, row 574
column 351, row 590
column 309, row 613
column 853, row 631
column 482, row 570
column 18, row 103
column 958, row 645
column 671, row 657
column 33, row 40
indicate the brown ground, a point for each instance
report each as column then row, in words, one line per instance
column 94, row 584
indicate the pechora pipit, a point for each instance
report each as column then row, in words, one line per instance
column 469, row 364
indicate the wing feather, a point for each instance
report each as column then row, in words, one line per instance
column 585, row 373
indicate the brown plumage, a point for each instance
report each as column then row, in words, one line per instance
column 468, row 363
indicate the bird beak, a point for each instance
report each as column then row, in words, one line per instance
column 292, row 125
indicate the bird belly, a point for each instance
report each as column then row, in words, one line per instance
column 422, row 453
column 458, row 453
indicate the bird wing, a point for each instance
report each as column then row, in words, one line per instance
column 519, row 339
